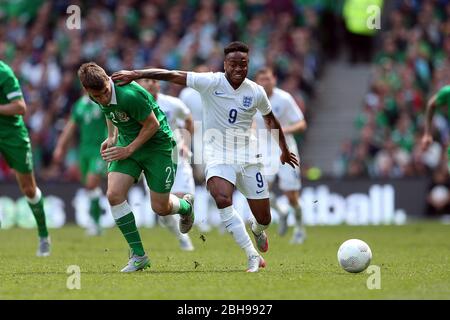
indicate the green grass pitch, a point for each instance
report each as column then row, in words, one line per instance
column 414, row 261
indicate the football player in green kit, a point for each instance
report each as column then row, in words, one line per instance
column 90, row 121
column 440, row 99
column 15, row 147
column 139, row 140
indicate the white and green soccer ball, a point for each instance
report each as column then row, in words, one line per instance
column 354, row 255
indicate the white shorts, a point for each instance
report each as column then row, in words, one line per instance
column 184, row 179
column 247, row 178
column 288, row 178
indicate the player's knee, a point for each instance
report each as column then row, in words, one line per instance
column 114, row 197
column 161, row 209
column 293, row 201
column 29, row 191
column 222, row 201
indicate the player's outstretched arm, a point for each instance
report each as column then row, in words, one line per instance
column 286, row 156
column 63, row 141
column 299, row 126
column 126, row 76
column 16, row 107
column 427, row 138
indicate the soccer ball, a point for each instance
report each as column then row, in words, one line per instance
column 354, row 255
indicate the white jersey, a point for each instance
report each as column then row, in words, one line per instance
column 175, row 110
column 228, row 116
column 193, row 101
column 176, row 113
column 286, row 110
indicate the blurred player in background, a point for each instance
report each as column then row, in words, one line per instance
column 139, row 140
column 178, row 116
column 292, row 121
column 230, row 101
column 440, row 99
column 90, row 121
column 15, row 147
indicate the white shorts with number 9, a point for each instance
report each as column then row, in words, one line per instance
column 247, row 178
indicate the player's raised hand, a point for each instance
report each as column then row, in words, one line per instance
column 116, row 153
column 426, row 141
column 289, row 158
column 124, row 77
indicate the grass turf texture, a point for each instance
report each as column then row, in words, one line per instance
column 414, row 261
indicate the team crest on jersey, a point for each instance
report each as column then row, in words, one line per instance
column 122, row 116
column 247, row 101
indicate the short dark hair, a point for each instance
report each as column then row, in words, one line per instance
column 92, row 76
column 235, row 46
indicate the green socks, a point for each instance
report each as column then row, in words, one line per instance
column 95, row 210
column 127, row 226
column 185, row 207
column 37, row 207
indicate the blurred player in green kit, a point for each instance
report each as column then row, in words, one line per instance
column 440, row 99
column 15, row 148
column 90, row 121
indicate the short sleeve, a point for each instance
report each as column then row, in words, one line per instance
column 9, row 85
column 293, row 111
column 263, row 103
column 200, row 81
column 443, row 96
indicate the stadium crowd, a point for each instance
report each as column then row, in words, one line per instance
column 412, row 65
column 132, row 34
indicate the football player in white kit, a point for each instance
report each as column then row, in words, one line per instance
column 230, row 101
column 292, row 121
column 179, row 117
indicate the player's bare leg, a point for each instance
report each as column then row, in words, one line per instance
column 172, row 223
column 222, row 192
column 262, row 218
column 164, row 204
column 27, row 185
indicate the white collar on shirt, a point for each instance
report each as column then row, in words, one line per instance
column 113, row 93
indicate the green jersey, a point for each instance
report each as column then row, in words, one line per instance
column 131, row 104
column 92, row 126
column 443, row 98
column 10, row 91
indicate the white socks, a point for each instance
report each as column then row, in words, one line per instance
column 175, row 203
column 235, row 225
column 36, row 198
column 258, row 228
column 120, row 210
column 171, row 222
column 95, row 193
